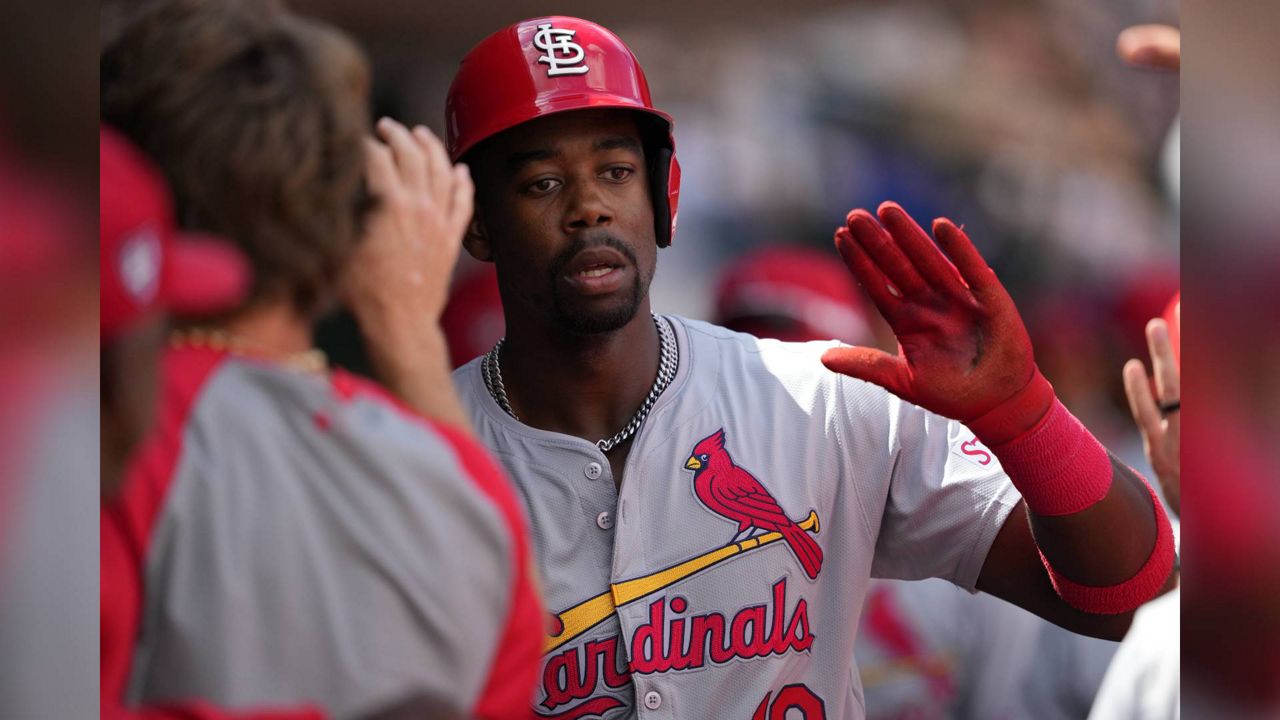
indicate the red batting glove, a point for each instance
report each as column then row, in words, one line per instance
column 963, row 351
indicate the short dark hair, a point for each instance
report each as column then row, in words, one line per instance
column 256, row 117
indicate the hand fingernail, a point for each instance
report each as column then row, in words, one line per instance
column 1143, row 54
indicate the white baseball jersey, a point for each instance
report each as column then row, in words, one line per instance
column 1144, row 679
column 694, row 591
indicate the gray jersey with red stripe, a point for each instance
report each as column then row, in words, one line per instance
column 296, row 539
column 725, row 577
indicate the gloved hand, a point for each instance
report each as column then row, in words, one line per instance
column 963, row 351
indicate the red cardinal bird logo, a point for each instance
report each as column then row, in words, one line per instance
column 736, row 494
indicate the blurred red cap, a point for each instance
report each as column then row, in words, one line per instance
column 811, row 290
column 146, row 264
column 473, row 319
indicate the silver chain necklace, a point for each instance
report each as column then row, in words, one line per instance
column 669, row 360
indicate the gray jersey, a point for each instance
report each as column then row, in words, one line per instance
column 725, row 578
column 291, row 540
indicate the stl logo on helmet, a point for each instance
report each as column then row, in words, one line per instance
column 563, row 55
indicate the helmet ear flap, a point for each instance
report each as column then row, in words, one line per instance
column 659, row 181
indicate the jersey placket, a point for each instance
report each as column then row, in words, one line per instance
column 651, row 698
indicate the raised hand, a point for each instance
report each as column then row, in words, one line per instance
column 1158, row 417
column 963, row 351
column 397, row 281
column 400, row 273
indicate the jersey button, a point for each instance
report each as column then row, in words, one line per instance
column 604, row 520
column 652, row 700
column 593, row 471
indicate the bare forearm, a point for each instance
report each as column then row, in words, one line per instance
column 1106, row 543
column 1014, row 572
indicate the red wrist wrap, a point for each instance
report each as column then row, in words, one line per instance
column 1018, row 415
column 1128, row 595
column 1059, row 467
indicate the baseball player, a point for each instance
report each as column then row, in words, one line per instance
column 291, row 542
column 707, row 508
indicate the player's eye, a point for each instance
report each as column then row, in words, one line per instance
column 541, row 186
column 619, row 173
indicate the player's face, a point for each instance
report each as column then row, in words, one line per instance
column 564, row 212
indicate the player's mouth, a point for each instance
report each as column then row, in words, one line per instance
column 596, row 271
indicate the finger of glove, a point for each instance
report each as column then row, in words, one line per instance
column 882, row 293
column 884, row 252
column 380, row 168
column 924, row 255
column 439, row 169
column 409, row 157
column 1141, row 403
column 1163, row 365
column 872, row 365
column 973, row 269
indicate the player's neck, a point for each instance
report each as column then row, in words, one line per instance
column 586, row 386
column 275, row 328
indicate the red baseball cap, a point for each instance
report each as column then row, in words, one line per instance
column 146, row 264
column 812, row 291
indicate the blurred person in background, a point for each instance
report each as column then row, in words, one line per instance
column 794, row 294
column 925, row 649
column 1142, row 682
column 292, row 542
column 639, row 441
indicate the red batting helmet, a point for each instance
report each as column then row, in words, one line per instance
column 549, row 65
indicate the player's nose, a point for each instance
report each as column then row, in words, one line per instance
column 586, row 208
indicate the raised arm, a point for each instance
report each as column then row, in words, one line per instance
column 1103, row 545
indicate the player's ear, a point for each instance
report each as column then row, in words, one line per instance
column 476, row 241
